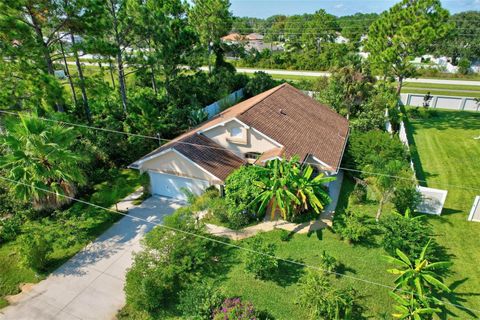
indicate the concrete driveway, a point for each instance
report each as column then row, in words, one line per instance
column 90, row 285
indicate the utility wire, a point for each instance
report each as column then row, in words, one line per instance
column 325, row 168
column 236, row 246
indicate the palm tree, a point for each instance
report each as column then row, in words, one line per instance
column 291, row 188
column 38, row 155
column 418, row 281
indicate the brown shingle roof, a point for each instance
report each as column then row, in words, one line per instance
column 203, row 151
column 302, row 125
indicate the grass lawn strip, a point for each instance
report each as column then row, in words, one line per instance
column 448, row 155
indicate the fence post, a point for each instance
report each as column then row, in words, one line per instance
column 462, row 103
column 409, row 97
column 434, row 102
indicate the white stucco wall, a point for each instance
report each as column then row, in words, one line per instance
column 171, row 162
column 255, row 142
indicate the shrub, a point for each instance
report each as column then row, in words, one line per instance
column 168, row 263
column 235, row 309
column 261, row 265
column 322, row 300
column 328, row 263
column 406, row 233
column 464, row 66
column 367, row 148
column 406, row 197
column 199, row 300
column 218, row 208
column 236, row 219
column 351, row 226
column 34, row 249
column 359, row 194
column 240, row 191
column 259, row 83
column 10, row 228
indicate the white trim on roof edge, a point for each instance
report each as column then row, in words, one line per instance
column 221, row 124
column 153, row 156
column 245, row 126
column 195, row 164
column 321, row 162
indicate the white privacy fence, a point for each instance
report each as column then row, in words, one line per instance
column 217, row 106
column 432, row 200
column 475, row 212
column 440, row 102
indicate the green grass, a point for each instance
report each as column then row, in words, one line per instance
column 13, row 273
column 473, row 94
column 447, row 158
column 441, row 86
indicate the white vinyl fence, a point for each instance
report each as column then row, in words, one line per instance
column 441, row 102
column 432, row 200
column 217, row 106
column 475, row 212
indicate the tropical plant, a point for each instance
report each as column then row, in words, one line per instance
column 41, row 162
column 407, row 233
column 291, row 187
column 418, row 284
column 410, row 308
column 328, row 263
column 322, row 300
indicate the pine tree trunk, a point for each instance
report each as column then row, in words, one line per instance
column 121, row 81
column 46, row 53
column 380, row 209
column 154, row 83
column 86, row 106
column 111, row 72
column 69, row 77
column 400, row 84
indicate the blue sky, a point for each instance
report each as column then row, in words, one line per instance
column 266, row 8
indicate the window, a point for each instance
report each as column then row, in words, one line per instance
column 252, row 155
column 236, row 132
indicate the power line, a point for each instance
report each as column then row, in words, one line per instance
column 325, row 168
column 201, row 236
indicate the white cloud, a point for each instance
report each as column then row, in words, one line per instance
column 340, row 5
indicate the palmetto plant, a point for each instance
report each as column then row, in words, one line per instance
column 418, row 281
column 38, row 156
column 291, row 187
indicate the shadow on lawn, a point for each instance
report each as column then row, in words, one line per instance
column 288, row 273
column 444, row 119
column 456, row 301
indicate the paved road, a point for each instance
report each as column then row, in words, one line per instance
column 327, row 74
column 90, row 285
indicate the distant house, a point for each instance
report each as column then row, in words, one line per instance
column 233, row 38
column 280, row 122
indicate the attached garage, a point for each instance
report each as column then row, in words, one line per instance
column 171, row 186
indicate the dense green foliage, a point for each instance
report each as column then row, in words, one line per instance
column 322, row 300
column 199, row 300
column 240, row 191
column 154, row 279
column 404, row 32
column 406, row 233
column 259, row 258
column 352, row 226
column 259, row 83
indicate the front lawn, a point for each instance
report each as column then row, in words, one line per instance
column 86, row 222
column 448, row 158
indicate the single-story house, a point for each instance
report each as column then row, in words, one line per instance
column 280, row 122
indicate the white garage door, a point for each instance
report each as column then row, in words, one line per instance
column 171, row 186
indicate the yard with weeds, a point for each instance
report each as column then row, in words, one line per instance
column 447, row 157
column 77, row 226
